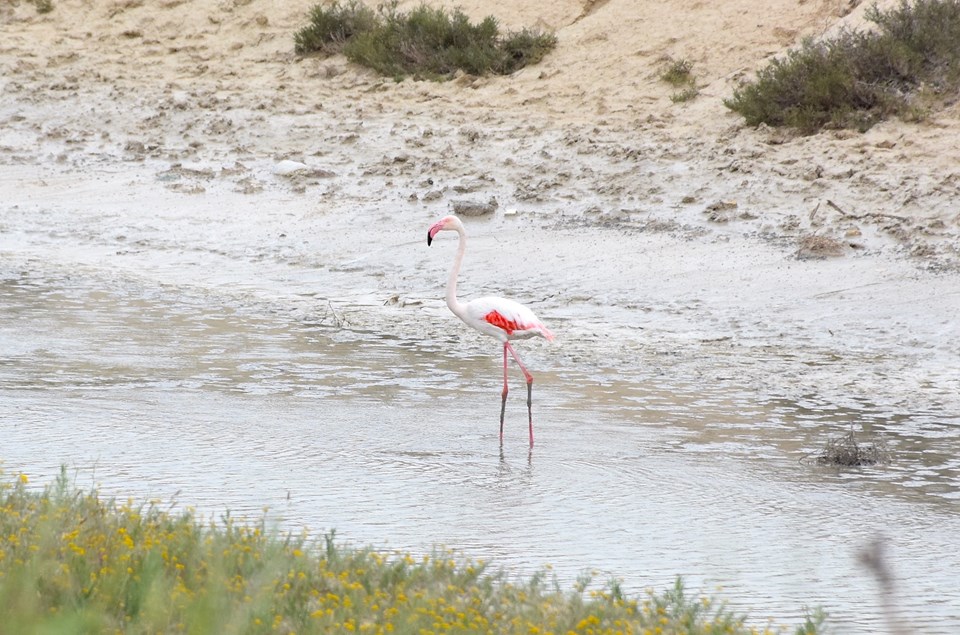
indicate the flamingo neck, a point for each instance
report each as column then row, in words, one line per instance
column 452, row 302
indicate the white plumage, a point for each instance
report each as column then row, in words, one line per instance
column 499, row 318
column 518, row 322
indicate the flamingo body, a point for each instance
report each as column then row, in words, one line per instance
column 504, row 319
column 499, row 318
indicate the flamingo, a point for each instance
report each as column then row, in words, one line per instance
column 499, row 318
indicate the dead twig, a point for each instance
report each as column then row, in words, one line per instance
column 865, row 215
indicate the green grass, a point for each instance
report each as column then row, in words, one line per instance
column 426, row 42
column 907, row 66
column 679, row 74
column 72, row 562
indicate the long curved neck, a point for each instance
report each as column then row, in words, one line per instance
column 452, row 302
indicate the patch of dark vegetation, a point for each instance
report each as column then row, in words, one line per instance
column 427, row 43
column 686, row 94
column 331, row 27
column 906, row 67
column 42, row 6
column 679, row 73
column 845, row 451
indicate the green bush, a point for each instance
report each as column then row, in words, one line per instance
column 427, row 42
column 859, row 78
column 524, row 48
column 929, row 30
column 331, row 27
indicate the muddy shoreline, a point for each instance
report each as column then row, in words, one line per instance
column 815, row 275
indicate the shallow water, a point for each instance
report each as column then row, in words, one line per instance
column 155, row 391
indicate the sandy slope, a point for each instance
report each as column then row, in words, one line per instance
column 901, row 179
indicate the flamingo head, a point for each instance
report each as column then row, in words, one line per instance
column 451, row 223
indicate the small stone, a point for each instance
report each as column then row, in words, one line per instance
column 472, row 208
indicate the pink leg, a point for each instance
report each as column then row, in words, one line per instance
column 528, row 377
column 503, row 403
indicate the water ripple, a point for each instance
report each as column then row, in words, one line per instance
column 641, row 474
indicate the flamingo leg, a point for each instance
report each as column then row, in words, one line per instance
column 503, row 403
column 528, row 377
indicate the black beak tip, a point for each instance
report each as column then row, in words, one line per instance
column 429, row 239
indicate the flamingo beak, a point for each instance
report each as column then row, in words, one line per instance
column 433, row 232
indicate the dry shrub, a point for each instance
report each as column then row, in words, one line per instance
column 846, row 452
